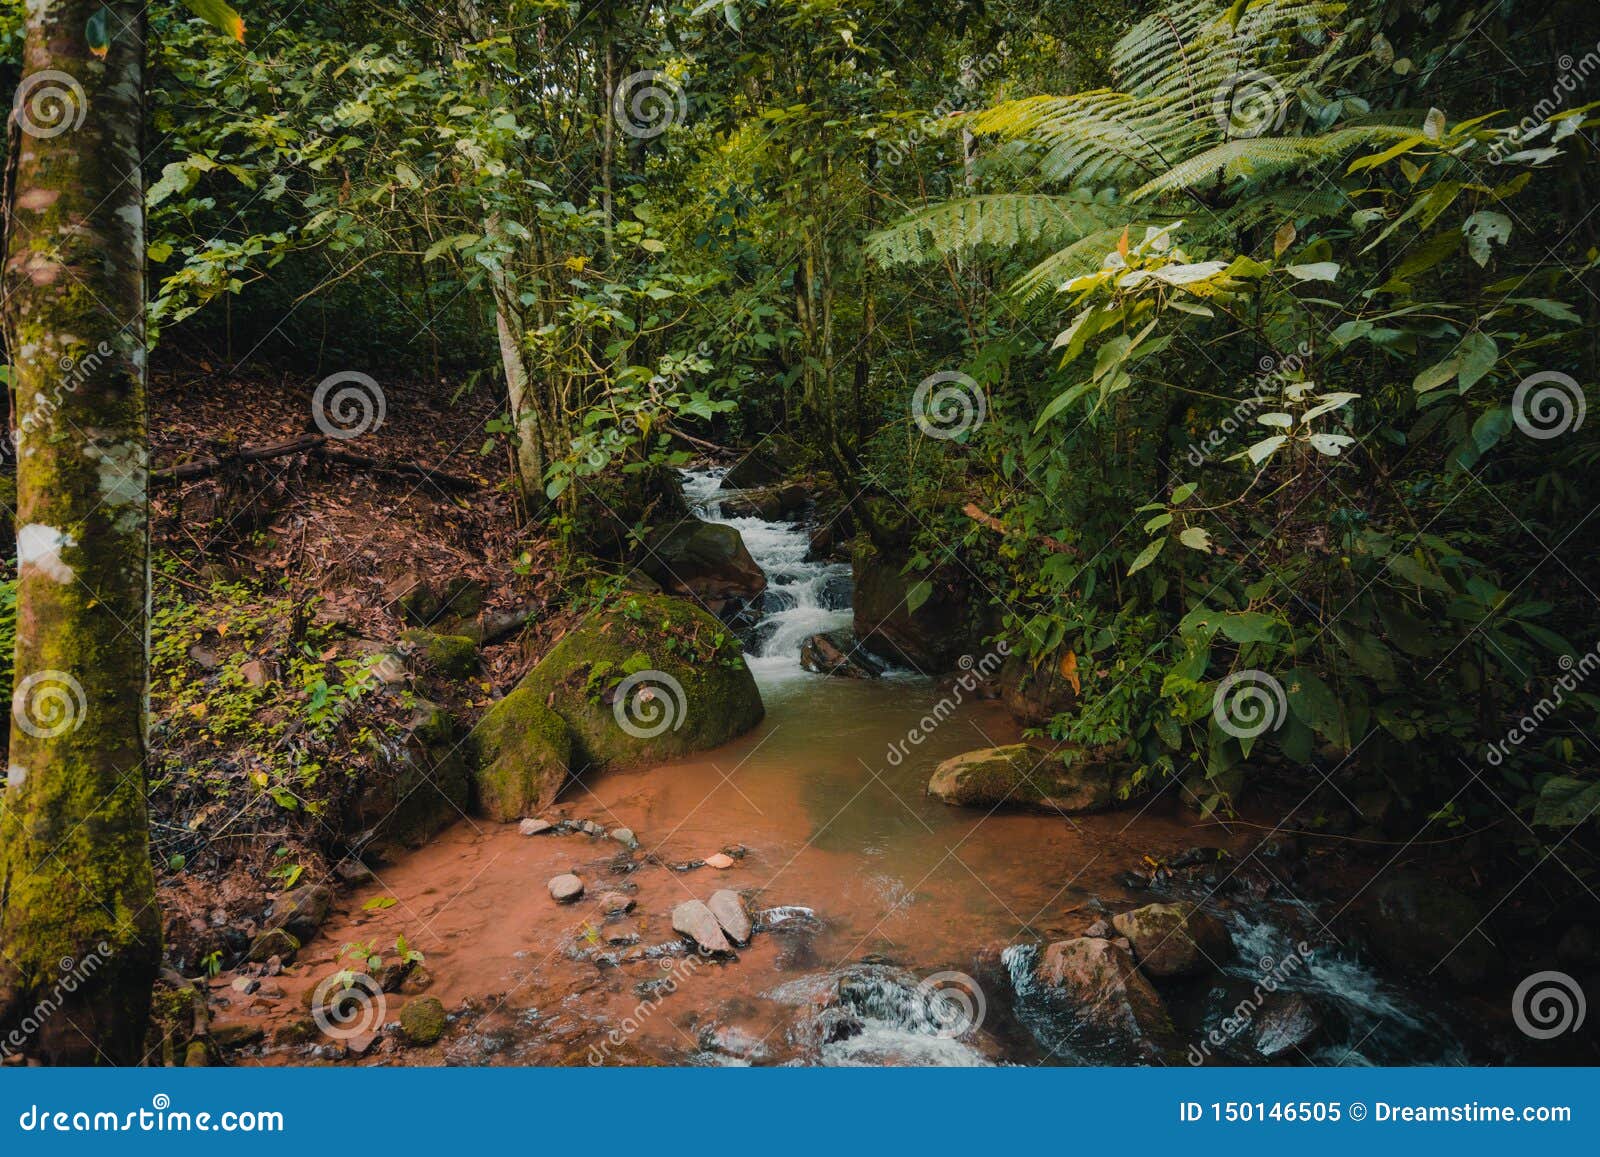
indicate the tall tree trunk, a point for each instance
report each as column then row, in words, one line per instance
column 79, row 930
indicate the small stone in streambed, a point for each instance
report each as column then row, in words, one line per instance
column 245, row 984
column 696, row 921
column 1100, row 930
column 728, row 907
column 423, row 1020
column 622, row 935
column 534, row 827
column 719, row 861
column 566, row 888
column 353, row 872
column 615, row 903
column 624, row 836
column 593, row 828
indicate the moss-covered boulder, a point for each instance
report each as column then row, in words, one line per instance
column 1175, row 939
column 1421, row 925
column 1020, row 776
column 523, row 751
column 454, row 656
column 423, row 1020
column 649, row 679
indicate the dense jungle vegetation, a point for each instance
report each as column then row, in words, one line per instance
column 1225, row 360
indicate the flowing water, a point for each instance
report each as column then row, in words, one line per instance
column 891, row 929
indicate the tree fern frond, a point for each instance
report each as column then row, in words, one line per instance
column 1260, row 158
column 1006, row 220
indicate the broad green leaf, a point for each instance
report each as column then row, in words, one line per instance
column 1314, row 704
column 1566, row 801
column 219, row 15
column 1196, row 538
column 1477, row 354
column 1147, row 556
column 919, row 593
column 1250, row 627
column 1437, row 374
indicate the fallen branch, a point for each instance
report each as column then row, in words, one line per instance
column 317, row 445
column 982, row 518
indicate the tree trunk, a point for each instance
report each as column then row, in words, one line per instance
column 79, row 930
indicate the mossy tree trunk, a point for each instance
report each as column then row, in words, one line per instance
column 79, row 929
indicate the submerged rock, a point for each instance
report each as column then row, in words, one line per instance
column 695, row 920
column 728, row 907
column 1099, row 978
column 1175, row 939
column 836, row 653
column 1021, row 776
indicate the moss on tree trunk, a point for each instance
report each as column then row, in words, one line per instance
column 79, row 930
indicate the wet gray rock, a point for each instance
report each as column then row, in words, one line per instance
column 836, row 653
column 728, row 907
column 625, row 837
column 1286, row 1025
column 566, row 888
column 695, row 920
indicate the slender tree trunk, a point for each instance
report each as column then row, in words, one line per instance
column 79, row 930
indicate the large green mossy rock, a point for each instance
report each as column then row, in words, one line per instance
column 647, row 680
column 523, row 752
column 1020, row 776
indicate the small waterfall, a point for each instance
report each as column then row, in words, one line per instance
column 803, row 597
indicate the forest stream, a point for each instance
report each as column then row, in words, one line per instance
column 889, row 928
